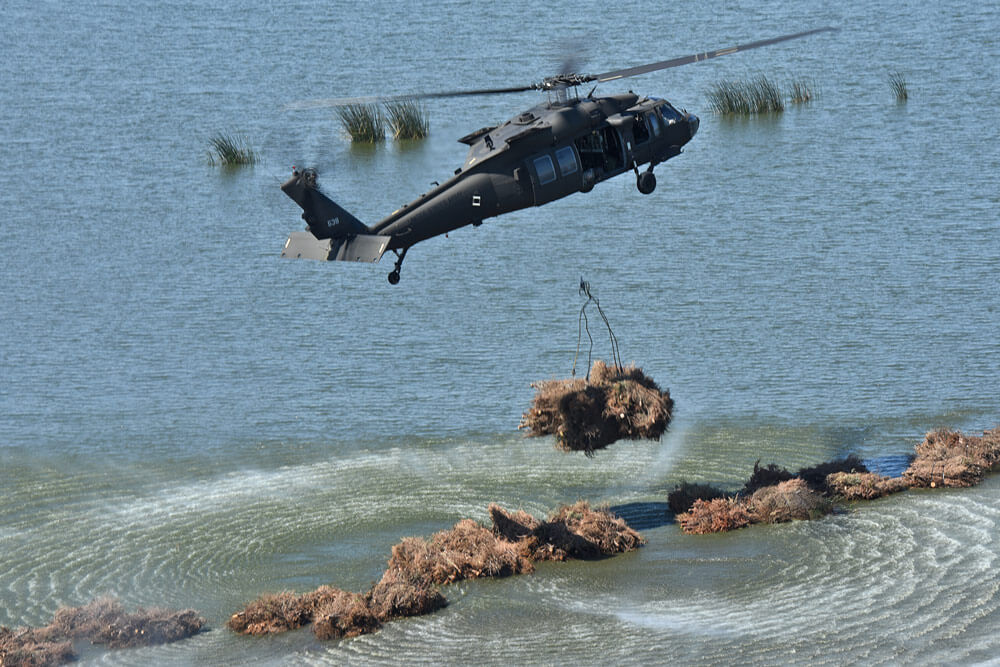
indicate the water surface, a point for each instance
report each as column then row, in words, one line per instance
column 187, row 420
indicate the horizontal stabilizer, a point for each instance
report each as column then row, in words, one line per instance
column 357, row 248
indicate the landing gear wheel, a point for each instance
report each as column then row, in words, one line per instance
column 394, row 274
column 646, row 182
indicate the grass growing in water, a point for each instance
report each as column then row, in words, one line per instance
column 231, row 150
column 898, row 84
column 801, row 92
column 364, row 123
column 746, row 97
column 407, row 119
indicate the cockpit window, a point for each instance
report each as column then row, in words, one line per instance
column 656, row 122
column 670, row 114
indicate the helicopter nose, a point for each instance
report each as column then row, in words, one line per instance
column 693, row 123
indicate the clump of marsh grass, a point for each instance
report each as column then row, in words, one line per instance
column 800, row 92
column 898, row 84
column 954, row 459
column 616, row 403
column 407, row 119
column 101, row 621
column 418, row 566
column 364, row 123
column 747, row 97
column 231, row 150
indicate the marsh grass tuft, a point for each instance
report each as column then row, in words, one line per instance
column 898, row 84
column 407, row 119
column 747, row 97
column 364, row 123
column 230, row 150
column 800, row 92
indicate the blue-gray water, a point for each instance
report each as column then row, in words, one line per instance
column 188, row 420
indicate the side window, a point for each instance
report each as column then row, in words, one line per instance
column 545, row 169
column 567, row 160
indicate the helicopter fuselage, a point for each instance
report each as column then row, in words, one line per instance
column 546, row 153
column 542, row 155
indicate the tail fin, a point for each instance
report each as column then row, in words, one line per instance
column 326, row 219
column 335, row 233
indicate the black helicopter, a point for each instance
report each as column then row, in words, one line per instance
column 565, row 145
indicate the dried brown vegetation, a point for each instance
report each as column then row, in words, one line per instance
column 950, row 458
column 417, row 565
column 271, row 613
column 787, row 501
column 335, row 613
column 714, row 516
column 579, row 531
column 467, row 551
column 615, row 404
column 573, row 531
column 397, row 596
column 774, row 495
column 102, row 621
column 344, row 614
column 28, row 647
column 863, row 485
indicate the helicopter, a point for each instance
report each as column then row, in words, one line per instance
column 565, row 145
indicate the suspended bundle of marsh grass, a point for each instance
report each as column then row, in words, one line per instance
column 746, row 97
column 231, row 150
column 585, row 415
column 407, row 119
column 364, row 123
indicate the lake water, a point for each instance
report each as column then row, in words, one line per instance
column 188, row 420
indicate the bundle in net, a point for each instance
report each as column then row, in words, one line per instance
column 614, row 403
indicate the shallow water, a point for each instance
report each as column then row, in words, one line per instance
column 187, row 420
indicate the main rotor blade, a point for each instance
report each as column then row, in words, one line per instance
column 562, row 80
column 696, row 57
column 379, row 99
